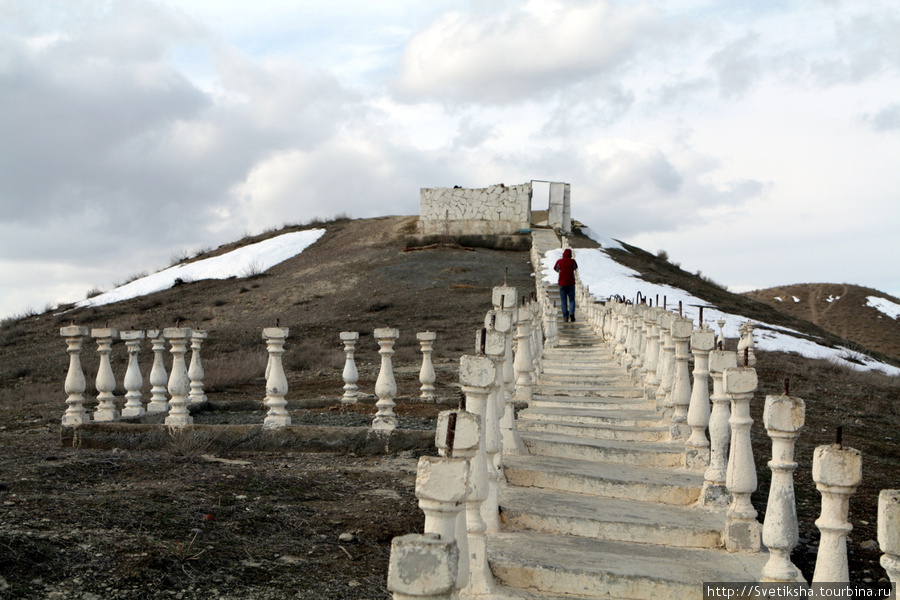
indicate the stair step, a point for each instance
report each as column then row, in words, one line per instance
column 649, row 484
column 553, row 512
column 594, row 402
column 597, row 432
column 602, row 569
column 636, row 454
column 620, row 391
column 587, row 416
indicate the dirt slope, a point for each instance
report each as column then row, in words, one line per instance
column 841, row 309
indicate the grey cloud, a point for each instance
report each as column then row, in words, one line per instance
column 867, row 45
column 737, row 66
column 886, row 119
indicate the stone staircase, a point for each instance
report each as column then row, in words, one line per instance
column 602, row 507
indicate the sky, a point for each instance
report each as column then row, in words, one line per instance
column 754, row 141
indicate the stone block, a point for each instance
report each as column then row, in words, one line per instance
column 422, row 565
column 499, row 320
column 442, row 479
column 740, row 380
column 387, row 332
column 275, row 333
column 837, row 466
column 889, row 521
column 703, row 340
column 784, row 413
column 476, row 371
column 349, row 335
column 466, row 434
column 131, row 334
column 682, row 328
column 719, row 360
column 104, row 332
column 176, row 332
column 73, row 330
column 425, row 336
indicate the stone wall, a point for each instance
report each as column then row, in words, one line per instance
column 498, row 209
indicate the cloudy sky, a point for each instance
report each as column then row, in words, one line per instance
column 757, row 141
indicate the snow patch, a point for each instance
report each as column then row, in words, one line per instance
column 247, row 260
column 891, row 309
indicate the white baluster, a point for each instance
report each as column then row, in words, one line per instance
column 75, row 414
column 715, row 492
column 386, row 385
column 426, row 373
column 351, row 374
column 276, row 381
column 680, row 394
column 783, row 417
column 179, row 382
column 837, row 472
column 133, row 380
column 159, row 403
column 196, row 373
column 106, row 410
column 889, row 532
column 742, row 529
column 422, row 567
column 697, row 446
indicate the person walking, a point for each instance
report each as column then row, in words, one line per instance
column 566, row 267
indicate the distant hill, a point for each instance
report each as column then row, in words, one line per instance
column 841, row 309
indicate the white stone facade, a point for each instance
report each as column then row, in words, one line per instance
column 498, row 209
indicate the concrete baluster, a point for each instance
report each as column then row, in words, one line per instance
column 750, row 343
column 179, row 382
column 441, row 486
column 715, row 492
column 386, row 385
column 504, row 299
column 889, row 532
column 837, row 472
column 477, row 375
column 351, row 374
column 426, row 373
column 651, row 379
column 490, row 412
column 106, row 410
column 680, row 395
column 75, row 414
column 742, row 529
column 422, row 567
column 667, row 362
column 524, row 361
column 133, row 380
column 276, row 381
column 197, row 396
column 696, row 454
column 465, row 439
column 783, row 417
column 159, row 402
column 720, row 339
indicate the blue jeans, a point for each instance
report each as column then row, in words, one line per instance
column 567, row 298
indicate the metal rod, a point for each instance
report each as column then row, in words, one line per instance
column 451, row 433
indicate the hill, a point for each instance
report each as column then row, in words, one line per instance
column 175, row 521
column 843, row 309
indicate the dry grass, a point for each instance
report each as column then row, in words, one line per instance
column 234, row 368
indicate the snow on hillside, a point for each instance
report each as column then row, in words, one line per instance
column 891, row 309
column 244, row 261
column 605, row 278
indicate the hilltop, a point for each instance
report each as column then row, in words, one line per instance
column 843, row 309
column 266, row 526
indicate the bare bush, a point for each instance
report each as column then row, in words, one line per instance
column 310, row 356
column 234, row 368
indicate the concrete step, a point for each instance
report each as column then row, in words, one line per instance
column 597, row 432
column 590, row 568
column 594, row 402
column 587, row 416
column 549, row 511
column 636, row 454
column 666, row 486
column 623, row 390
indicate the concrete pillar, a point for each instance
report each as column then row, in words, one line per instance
column 196, row 373
column 386, row 385
column 889, row 532
column 666, row 361
column 441, row 487
column 179, row 382
column 106, row 410
column 720, row 339
column 680, row 394
column 426, row 373
column 837, row 472
column 742, row 529
column 490, row 413
column 133, row 380
column 75, row 414
column 477, row 375
column 351, row 374
column 697, row 446
column 783, row 417
column 458, row 436
column 159, row 403
column 422, row 567
column 651, row 364
column 276, row 381
column 715, row 492
column 524, row 363
column 746, row 345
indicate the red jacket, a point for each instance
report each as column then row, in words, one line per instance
column 566, row 268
